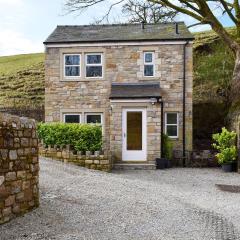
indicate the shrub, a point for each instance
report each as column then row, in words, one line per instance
column 167, row 147
column 82, row 137
column 226, row 145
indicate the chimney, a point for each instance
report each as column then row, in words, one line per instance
column 176, row 28
column 142, row 24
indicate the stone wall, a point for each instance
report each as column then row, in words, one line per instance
column 91, row 160
column 121, row 63
column 234, row 122
column 19, row 167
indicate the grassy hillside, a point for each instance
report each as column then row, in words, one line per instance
column 22, row 81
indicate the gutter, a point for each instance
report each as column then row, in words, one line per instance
column 117, row 40
column 184, row 104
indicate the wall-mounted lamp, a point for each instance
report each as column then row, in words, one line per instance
column 153, row 100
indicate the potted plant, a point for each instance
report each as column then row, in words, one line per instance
column 167, row 152
column 225, row 143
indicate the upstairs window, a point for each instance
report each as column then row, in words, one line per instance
column 94, row 68
column 148, row 64
column 171, row 125
column 72, row 118
column 72, row 65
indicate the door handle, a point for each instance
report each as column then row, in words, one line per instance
column 124, row 135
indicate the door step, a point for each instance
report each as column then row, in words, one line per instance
column 134, row 166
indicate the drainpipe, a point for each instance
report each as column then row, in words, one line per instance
column 184, row 104
column 161, row 147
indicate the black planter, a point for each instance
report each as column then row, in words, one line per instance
column 227, row 167
column 234, row 166
column 168, row 164
column 161, row 163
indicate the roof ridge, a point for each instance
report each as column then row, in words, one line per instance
column 119, row 24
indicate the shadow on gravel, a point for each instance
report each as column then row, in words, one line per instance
column 228, row 188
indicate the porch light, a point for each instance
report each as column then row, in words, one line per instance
column 153, row 100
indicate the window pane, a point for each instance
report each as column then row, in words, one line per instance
column 148, row 70
column 172, row 131
column 91, row 59
column 134, row 130
column 94, row 118
column 148, row 57
column 72, row 118
column 94, row 71
column 72, row 71
column 172, row 118
column 72, row 60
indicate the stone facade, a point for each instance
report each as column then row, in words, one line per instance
column 122, row 64
column 19, row 167
column 95, row 161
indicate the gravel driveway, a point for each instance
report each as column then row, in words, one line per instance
column 78, row 203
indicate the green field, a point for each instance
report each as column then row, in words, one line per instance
column 22, row 81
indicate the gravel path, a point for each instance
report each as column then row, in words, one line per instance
column 78, row 203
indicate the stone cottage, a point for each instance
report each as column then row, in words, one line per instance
column 133, row 79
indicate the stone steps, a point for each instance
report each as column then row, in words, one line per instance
column 134, row 166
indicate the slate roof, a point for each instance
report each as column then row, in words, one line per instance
column 135, row 90
column 119, row 32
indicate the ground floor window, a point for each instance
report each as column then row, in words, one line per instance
column 171, row 124
column 72, row 118
column 93, row 118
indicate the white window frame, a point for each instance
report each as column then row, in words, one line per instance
column 93, row 113
column 149, row 63
column 74, row 114
column 171, row 124
column 93, row 64
column 64, row 65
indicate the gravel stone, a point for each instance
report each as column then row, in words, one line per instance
column 179, row 203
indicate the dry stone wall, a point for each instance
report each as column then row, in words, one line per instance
column 19, row 166
column 89, row 159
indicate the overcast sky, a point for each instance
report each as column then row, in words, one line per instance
column 25, row 24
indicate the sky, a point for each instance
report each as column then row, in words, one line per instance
column 25, row 24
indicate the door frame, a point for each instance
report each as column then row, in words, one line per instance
column 134, row 155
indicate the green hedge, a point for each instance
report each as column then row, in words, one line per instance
column 82, row 137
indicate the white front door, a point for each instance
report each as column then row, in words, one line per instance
column 134, row 134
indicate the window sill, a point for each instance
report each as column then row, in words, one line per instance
column 149, row 78
column 82, row 79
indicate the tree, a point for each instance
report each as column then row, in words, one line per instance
column 141, row 11
column 204, row 12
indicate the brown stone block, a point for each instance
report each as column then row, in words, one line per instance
column 3, row 154
column 26, row 185
column 7, row 211
column 16, row 186
column 28, row 194
column 21, row 174
column 135, row 55
column 20, row 197
column 29, row 176
column 111, row 65
column 10, row 176
column 4, row 192
column 24, row 142
column 16, row 209
column 27, row 133
column 10, row 201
